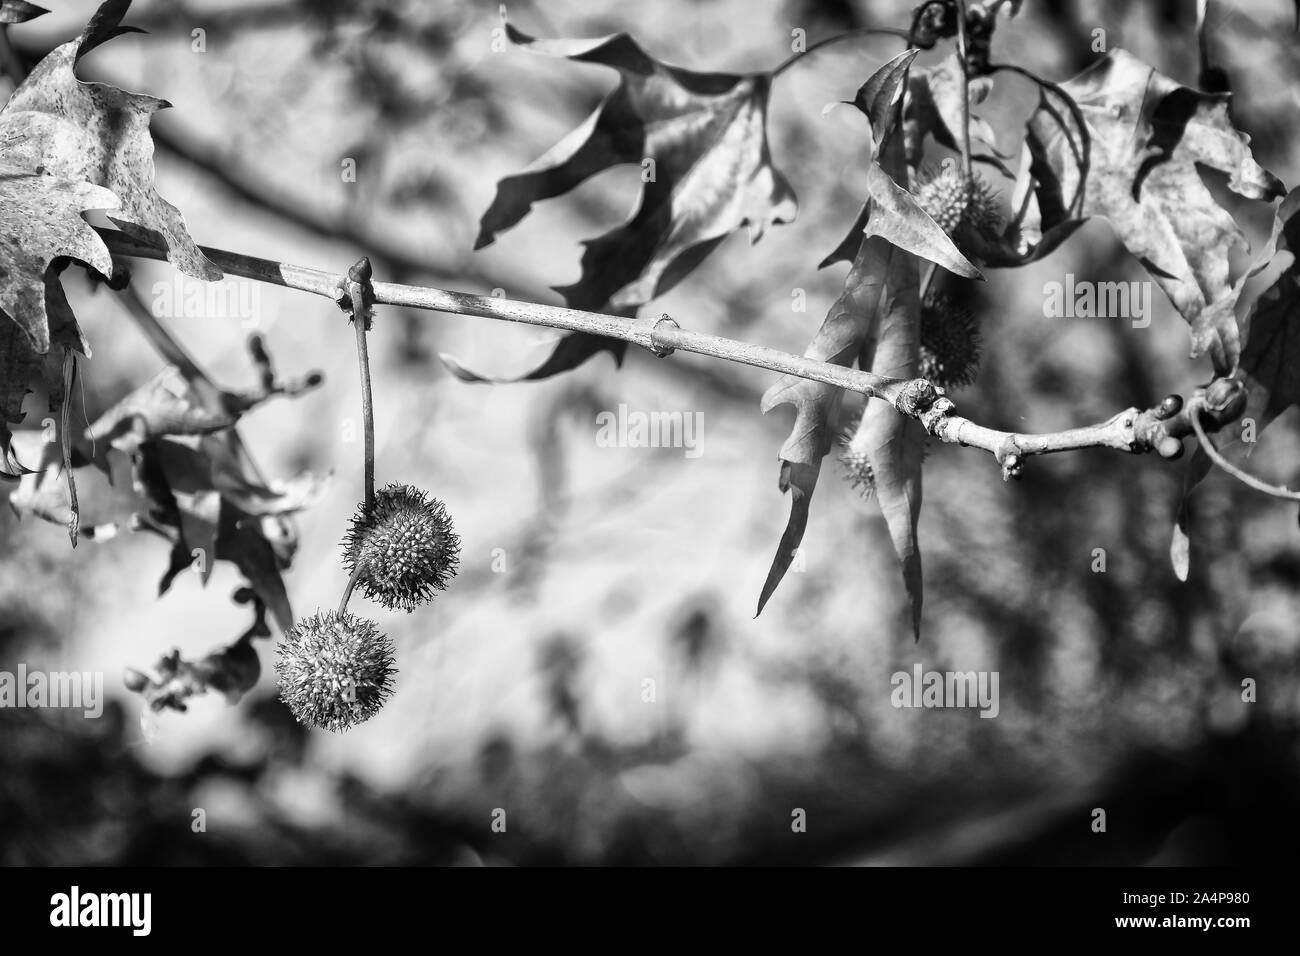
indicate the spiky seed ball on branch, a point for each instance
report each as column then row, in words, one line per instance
column 335, row 672
column 956, row 203
column 857, row 465
column 950, row 342
column 405, row 545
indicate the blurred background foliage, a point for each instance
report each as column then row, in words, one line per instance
column 522, row 688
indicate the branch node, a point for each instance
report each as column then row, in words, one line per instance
column 917, row 396
column 662, row 351
column 1011, row 459
column 356, row 295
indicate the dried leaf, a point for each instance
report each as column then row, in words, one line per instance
column 879, row 299
column 1270, row 360
column 67, row 147
column 933, row 108
column 1146, row 136
column 197, row 489
column 20, row 365
column 712, row 174
column 96, row 133
column 894, row 443
column 168, row 404
column 40, row 220
column 891, row 211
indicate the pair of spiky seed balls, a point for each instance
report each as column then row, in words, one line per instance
column 336, row 669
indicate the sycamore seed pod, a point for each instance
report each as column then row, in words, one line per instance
column 335, row 671
column 857, row 465
column 405, row 546
column 950, row 342
column 956, row 203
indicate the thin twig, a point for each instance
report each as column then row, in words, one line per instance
column 351, row 586
column 1130, row 430
column 367, row 411
column 1286, row 494
column 965, row 91
column 1083, row 155
column 638, row 332
column 359, row 302
column 827, row 41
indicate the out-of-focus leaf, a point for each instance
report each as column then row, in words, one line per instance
column 712, row 173
column 570, row 351
column 1180, row 547
column 712, row 170
column 42, row 490
column 98, row 134
column 19, row 11
column 196, row 488
column 232, row 671
column 1147, row 135
column 168, row 404
column 20, row 365
column 933, row 108
column 1270, row 360
column 879, row 299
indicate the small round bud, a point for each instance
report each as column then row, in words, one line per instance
column 1225, row 399
column 405, row 545
column 335, row 672
column 1169, row 448
column 1169, row 406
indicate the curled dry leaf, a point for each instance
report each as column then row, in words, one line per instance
column 1270, row 361
column 933, row 108
column 1136, row 164
column 876, row 322
column 98, row 134
column 701, row 139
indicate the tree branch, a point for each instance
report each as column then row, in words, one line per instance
column 1132, row 430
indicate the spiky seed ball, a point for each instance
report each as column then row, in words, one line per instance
column 957, row 203
column 406, row 544
column 857, row 465
column 335, row 672
column 950, row 342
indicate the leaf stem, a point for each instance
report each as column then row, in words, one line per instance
column 965, row 91
column 836, row 38
column 1286, row 494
